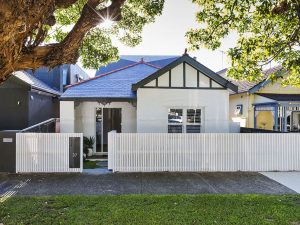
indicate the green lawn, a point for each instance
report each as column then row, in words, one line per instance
column 152, row 209
column 90, row 165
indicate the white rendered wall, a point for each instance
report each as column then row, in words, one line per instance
column 67, row 117
column 85, row 114
column 153, row 105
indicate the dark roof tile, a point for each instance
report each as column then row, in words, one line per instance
column 244, row 85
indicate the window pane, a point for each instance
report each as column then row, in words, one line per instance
column 175, row 129
column 193, row 129
column 193, row 116
column 175, row 116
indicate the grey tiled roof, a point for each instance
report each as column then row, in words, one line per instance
column 35, row 83
column 114, row 84
column 244, row 85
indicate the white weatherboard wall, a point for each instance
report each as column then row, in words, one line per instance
column 44, row 153
column 153, row 105
column 203, row 152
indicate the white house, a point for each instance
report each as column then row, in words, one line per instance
column 147, row 94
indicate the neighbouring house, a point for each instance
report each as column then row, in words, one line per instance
column 28, row 98
column 25, row 101
column 266, row 104
column 147, row 94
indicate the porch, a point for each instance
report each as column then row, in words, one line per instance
column 96, row 119
column 283, row 116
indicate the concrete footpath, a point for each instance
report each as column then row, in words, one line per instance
column 140, row 183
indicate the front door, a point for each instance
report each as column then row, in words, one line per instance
column 107, row 119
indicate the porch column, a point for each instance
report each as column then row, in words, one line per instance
column 285, row 120
column 67, row 117
column 276, row 117
column 254, row 117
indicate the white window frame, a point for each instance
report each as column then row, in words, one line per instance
column 191, row 124
column 176, row 124
column 184, row 118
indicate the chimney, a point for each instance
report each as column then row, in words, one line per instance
column 185, row 51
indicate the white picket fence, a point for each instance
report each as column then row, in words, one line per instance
column 203, row 152
column 45, row 153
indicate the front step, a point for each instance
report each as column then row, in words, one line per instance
column 101, row 158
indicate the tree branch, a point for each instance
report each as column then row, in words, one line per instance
column 67, row 50
column 64, row 3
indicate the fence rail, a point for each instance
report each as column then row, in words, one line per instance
column 48, row 126
column 203, row 152
column 255, row 130
column 48, row 153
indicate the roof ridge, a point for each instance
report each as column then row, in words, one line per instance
column 103, row 74
column 149, row 64
column 170, row 57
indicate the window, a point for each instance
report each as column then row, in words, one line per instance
column 184, row 121
column 193, row 122
column 175, row 117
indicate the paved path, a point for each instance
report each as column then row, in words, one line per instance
column 140, row 183
column 288, row 179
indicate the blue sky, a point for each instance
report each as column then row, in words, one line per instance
column 167, row 36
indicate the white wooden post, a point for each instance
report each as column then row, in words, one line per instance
column 111, row 148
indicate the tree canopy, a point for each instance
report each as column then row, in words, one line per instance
column 268, row 31
column 53, row 32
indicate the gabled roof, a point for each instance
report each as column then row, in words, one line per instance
column 117, row 82
column 35, row 83
column 126, row 60
column 192, row 62
column 252, row 87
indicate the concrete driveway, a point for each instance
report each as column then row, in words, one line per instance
column 140, row 183
column 288, row 179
